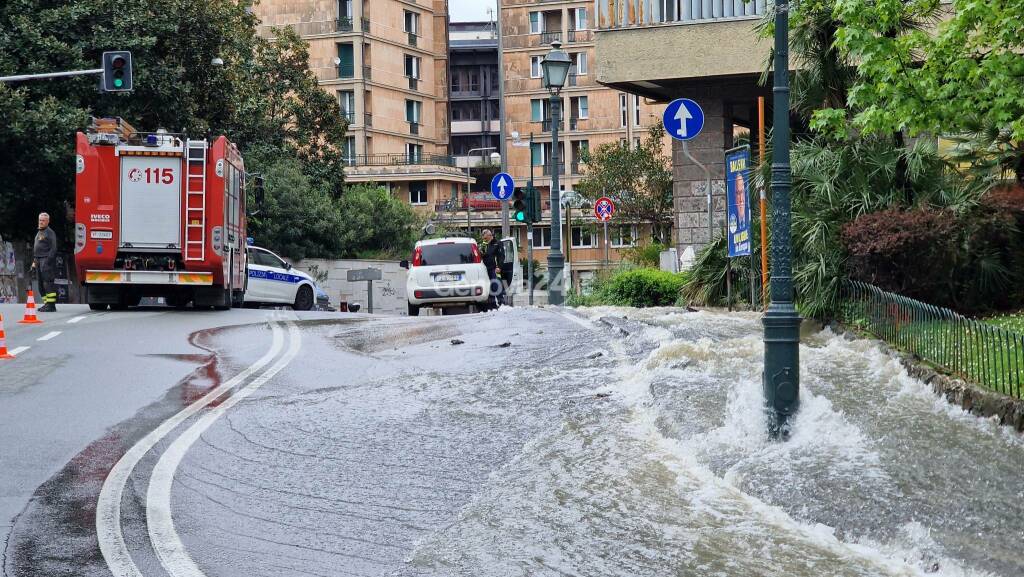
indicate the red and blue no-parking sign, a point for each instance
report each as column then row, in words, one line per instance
column 604, row 208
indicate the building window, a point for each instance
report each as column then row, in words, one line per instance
column 535, row 68
column 348, row 150
column 622, row 235
column 418, row 192
column 623, row 112
column 412, row 22
column 540, row 153
column 537, row 109
column 578, row 107
column 456, row 81
column 474, row 80
column 346, row 61
column 541, row 237
column 579, row 63
column 347, row 101
column 579, row 18
column 636, row 110
column 536, row 23
column 466, row 110
column 345, row 9
column 412, row 66
column 413, row 111
column 582, row 237
column 414, row 152
column 579, row 149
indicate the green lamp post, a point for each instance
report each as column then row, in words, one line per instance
column 781, row 377
column 555, row 68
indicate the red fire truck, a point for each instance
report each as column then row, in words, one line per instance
column 160, row 215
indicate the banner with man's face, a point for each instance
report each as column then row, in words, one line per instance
column 737, row 187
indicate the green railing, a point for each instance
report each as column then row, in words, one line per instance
column 971, row 349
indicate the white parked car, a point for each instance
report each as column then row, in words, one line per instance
column 446, row 272
column 272, row 281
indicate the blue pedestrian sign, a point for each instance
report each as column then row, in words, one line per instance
column 683, row 119
column 502, row 186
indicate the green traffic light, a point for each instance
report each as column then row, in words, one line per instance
column 118, row 82
column 520, row 216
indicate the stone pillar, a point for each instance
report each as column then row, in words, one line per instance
column 688, row 179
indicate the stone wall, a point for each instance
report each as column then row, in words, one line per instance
column 388, row 294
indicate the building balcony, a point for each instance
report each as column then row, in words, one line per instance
column 309, row 28
column 367, row 119
column 547, row 169
column 580, row 36
column 348, row 116
column 707, row 39
column 576, row 123
column 576, row 168
column 400, row 160
column 367, row 73
column 414, row 128
column 412, row 39
column 365, row 25
column 546, row 125
column 475, row 126
column 549, row 37
column 414, row 83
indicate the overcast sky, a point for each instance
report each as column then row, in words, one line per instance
column 471, row 10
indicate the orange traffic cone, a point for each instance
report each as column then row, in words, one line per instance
column 3, row 341
column 30, row 311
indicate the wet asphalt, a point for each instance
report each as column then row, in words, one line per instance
column 524, row 442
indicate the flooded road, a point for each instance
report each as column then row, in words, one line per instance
column 534, row 442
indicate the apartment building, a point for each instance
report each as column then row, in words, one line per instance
column 592, row 115
column 706, row 50
column 387, row 63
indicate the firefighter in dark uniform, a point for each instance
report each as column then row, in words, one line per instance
column 44, row 263
column 494, row 256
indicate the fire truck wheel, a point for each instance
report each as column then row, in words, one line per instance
column 304, row 299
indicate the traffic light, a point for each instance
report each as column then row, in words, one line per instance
column 117, row 71
column 532, row 204
column 519, row 205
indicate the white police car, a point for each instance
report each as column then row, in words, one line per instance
column 272, row 281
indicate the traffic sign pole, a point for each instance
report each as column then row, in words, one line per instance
column 683, row 120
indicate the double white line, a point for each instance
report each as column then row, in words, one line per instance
column 165, row 539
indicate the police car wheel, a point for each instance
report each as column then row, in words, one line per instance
column 304, row 299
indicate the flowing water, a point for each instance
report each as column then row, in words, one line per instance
column 671, row 473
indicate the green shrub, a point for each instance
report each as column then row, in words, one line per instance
column 642, row 287
column 645, row 256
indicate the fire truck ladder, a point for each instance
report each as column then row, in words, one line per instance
column 195, row 200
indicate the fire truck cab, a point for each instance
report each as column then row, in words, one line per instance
column 160, row 215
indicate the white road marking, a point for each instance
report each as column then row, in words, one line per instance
column 48, row 336
column 17, row 351
column 108, row 508
column 162, row 534
column 75, row 320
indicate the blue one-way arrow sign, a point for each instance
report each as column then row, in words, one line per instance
column 502, row 186
column 683, row 119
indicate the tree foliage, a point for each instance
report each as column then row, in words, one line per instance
column 967, row 71
column 376, row 224
column 638, row 179
column 264, row 97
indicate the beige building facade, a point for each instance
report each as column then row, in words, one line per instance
column 387, row 63
column 592, row 115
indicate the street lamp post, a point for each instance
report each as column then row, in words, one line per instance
column 555, row 72
column 781, row 377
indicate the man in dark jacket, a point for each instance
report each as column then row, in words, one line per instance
column 493, row 256
column 44, row 263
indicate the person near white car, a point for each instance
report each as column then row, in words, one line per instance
column 272, row 281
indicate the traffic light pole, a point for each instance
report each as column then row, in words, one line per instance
column 534, row 215
column 20, row 77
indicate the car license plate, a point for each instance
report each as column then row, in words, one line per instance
column 447, row 276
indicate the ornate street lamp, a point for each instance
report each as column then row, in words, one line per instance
column 781, row 377
column 555, row 68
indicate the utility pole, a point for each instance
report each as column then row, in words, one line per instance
column 781, row 377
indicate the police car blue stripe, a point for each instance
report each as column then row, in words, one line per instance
column 275, row 276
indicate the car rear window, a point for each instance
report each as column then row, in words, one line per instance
column 439, row 254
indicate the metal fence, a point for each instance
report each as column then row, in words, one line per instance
column 974, row 350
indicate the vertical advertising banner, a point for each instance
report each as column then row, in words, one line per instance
column 737, row 188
